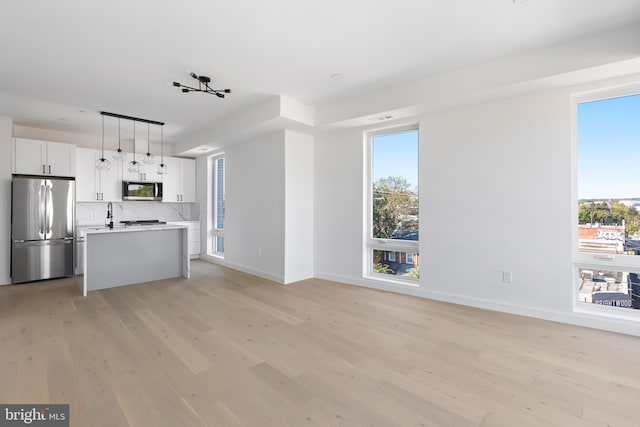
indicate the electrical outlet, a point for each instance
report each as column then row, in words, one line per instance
column 507, row 276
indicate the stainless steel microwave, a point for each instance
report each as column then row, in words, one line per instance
column 141, row 190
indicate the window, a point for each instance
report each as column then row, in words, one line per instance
column 217, row 206
column 409, row 258
column 607, row 245
column 392, row 205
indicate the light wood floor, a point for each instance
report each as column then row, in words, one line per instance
column 229, row 349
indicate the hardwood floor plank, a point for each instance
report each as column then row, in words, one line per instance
column 177, row 344
column 229, row 349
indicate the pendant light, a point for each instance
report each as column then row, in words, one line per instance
column 120, row 154
column 134, row 166
column 162, row 168
column 103, row 164
column 148, row 158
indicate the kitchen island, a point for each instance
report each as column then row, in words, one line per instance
column 127, row 255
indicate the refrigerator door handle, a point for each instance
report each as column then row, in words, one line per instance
column 49, row 211
column 41, row 210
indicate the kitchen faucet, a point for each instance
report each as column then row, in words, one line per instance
column 110, row 214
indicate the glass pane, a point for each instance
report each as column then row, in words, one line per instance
column 612, row 288
column 220, row 194
column 395, row 186
column 395, row 263
column 220, row 244
column 609, row 176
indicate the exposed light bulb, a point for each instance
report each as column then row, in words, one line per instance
column 162, row 169
column 133, row 166
column 148, row 159
column 119, row 155
column 103, row 164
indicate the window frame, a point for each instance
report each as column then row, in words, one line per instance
column 214, row 231
column 590, row 260
column 390, row 245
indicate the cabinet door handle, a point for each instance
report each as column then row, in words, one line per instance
column 43, row 169
column 97, row 196
column 49, row 169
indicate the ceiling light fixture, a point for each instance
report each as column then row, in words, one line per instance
column 134, row 166
column 148, row 158
column 162, row 168
column 203, row 86
column 119, row 154
column 103, row 164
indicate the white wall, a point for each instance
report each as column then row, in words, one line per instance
column 495, row 195
column 338, row 205
column 298, row 207
column 5, row 199
column 269, row 206
column 255, row 206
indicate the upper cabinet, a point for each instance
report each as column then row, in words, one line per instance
column 34, row 157
column 94, row 185
column 179, row 185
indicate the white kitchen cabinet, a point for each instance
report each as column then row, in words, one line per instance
column 35, row 157
column 147, row 172
column 94, row 185
column 179, row 185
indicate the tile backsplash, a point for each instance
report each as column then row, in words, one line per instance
column 96, row 212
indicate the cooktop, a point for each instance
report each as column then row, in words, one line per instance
column 143, row 222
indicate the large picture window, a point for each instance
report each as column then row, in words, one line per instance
column 607, row 252
column 392, row 208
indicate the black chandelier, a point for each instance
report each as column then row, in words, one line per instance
column 203, row 86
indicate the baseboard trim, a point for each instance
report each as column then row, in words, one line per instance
column 223, row 262
column 629, row 327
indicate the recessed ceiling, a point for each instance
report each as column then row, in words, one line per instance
column 61, row 57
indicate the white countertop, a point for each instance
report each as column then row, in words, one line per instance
column 122, row 229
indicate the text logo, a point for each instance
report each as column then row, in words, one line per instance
column 34, row 415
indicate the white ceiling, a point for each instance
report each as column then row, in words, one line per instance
column 63, row 61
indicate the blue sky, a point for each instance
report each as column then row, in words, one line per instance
column 609, row 148
column 396, row 155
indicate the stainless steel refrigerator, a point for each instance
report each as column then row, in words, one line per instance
column 42, row 228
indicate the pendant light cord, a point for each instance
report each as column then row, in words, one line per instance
column 102, row 155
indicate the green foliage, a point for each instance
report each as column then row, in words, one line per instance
column 393, row 200
column 381, row 268
column 413, row 273
column 609, row 213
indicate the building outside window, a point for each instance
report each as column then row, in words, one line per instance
column 607, row 246
column 392, row 205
